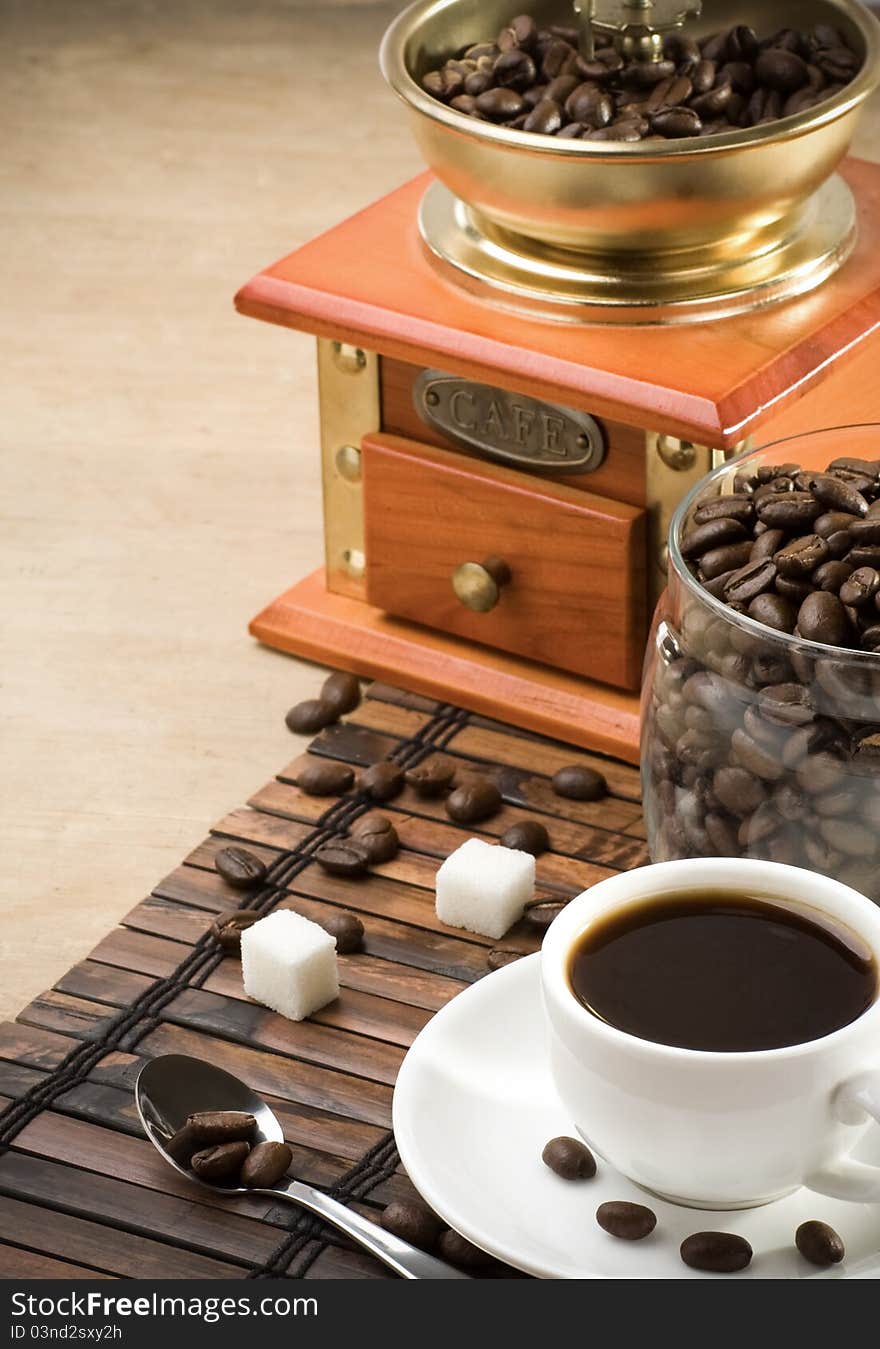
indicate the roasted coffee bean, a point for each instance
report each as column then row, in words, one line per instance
column 545, row 118
column 837, row 495
column 382, row 781
column 461, row 1252
column 755, row 757
column 221, row 1126
column 348, row 931
column 865, row 531
column 788, row 510
column 412, row 1222
column 569, row 1158
column 677, row 122
column 716, row 1252
column 431, row 778
column 183, row 1144
column 540, row 913
column 766, row 544
column 822, row 618
column 228, row 927
column 864, row 556
column 832, row 576
column 774, row 611
column 239, row 868
column 738, row 507
column 515, row 69
column 860, row 586
column 311, row 716
column 751, row 580
column 500, row 105
column 794, row 589
column 344, row 857
column 579, row 783
column 629, row 1222
column 500, row 956
column 526, row 836
column 324, row 777
column 221, row 1162
column 265, row 1164
column 739, row 791
column 342, row 692
column 721, row 561
column 711, row 534
column 819, row 1243
column 802, row 556
column 473, row 801
column 790, row 704
column 376, row 835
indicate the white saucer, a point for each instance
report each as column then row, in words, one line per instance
column 474, row 1106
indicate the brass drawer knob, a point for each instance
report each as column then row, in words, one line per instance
column 478, row 584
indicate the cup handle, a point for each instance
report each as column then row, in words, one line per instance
column 849, row 1179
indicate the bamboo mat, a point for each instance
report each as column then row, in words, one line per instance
column 84, row 1194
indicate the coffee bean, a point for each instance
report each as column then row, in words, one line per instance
column 545, row 118
column 348, row 931
column 751, row 580
column 569, row 1158
column 837, row 495
column 526, row 836
column 713, row 534
column 382, row 781
column 738, row 507
column 221, row 1126
column 860, row 586
column 802, row 556
column 821, row 618
column 344, row 857
column 376, row 836
column 221, row 1162
column 461, row 1252
column 431, row 778
column 500, row 956
column 239, row 868
column 790, row 704
column 474, row 800
column 788, row 510
column 540, row 913
column 342, row 692
column 228, row 927
column 716, row 1252
column 579, row 783
column 311, row 716
column 739, row 791
column 412, row 1222
column 831, row 576
column 723, row 561
column 324, row 777
column 781, row 70
column 266, row 1164
column 500, row 105
column 865, row 531
column 766, row 544
column 629, row 1222
column 183, row 1144
column 774, row 611
column 819, row 1243
column 755, row 757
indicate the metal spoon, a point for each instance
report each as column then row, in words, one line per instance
column 173, row 1086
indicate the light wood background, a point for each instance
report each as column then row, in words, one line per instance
column 160, row 466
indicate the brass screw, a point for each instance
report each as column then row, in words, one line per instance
column 432, row 398
column 348, row 463
column 679, row 455
column 350, row 360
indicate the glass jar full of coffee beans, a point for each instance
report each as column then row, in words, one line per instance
column 761, row 696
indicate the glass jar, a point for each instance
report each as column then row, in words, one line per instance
column 756, row 743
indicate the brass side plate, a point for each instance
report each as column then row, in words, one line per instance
column 350, row 405
column 513, row 428
column 511, row 273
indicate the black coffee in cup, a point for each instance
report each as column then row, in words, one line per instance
column 719, row 971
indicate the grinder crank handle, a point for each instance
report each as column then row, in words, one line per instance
column 405, row 1260
column 847, row 1178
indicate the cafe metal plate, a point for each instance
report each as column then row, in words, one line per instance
column 509, row 427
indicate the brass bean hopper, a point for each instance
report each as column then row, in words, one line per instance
column 655, row 231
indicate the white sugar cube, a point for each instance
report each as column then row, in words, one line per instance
column 484, row 888
column 289, row 964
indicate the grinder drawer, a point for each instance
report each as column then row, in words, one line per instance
column 505, row 558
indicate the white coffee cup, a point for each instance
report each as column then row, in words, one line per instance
column 711, row 1129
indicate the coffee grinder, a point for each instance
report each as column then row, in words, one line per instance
column 529, row 354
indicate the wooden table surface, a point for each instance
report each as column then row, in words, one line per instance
column 160, row 463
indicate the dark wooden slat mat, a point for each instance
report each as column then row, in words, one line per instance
column 84, row 1193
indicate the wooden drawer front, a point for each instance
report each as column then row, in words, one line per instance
column 576, row 597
